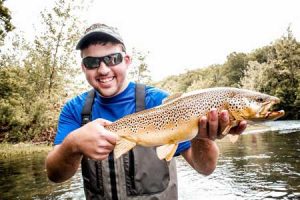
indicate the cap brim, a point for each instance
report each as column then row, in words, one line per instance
column 96, row 36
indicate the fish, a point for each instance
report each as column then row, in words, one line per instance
column 176, row 119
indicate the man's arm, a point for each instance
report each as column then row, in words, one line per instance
column 204, row 152
column 91, row 140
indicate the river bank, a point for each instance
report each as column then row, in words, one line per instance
column 20, row 149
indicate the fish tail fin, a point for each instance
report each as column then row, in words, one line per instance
column 123, row 146
column 166, row 151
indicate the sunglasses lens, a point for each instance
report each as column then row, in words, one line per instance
column 109, row 60
column 113, row 59
column 91, row 62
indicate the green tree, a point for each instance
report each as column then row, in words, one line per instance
column 53, row 55
column 171, row 84
column 207, row 77
column 233, row 69
column 279, row 75
column 5, row 21
column 256, row 76
column 35, row 84
column 139, row 71
column 261, row 55
column 285, row 79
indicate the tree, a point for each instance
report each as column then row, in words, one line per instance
column 280, row 75
column 139, row 71
column 53, row 55
column 286, row 82
column 233, row 69
column 256, row 76
column 5, row 21
column 207, row 77
column 36, row 80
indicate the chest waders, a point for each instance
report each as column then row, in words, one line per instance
column 138, row 175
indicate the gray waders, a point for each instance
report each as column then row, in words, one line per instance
column 139, row 174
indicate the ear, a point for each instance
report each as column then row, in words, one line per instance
column 127, row 59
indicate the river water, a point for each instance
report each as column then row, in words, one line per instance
column 263, row 164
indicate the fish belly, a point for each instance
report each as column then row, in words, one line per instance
column 171, row 135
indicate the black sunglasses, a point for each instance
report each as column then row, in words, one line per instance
column 109, row 60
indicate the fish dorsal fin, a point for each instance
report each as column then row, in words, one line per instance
column 166, row 151
column 171, row 97
column 123, row 146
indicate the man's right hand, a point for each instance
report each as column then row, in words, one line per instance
column 93, row 140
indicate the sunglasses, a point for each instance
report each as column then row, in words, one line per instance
column 109, row 60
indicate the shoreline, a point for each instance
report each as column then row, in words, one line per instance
column 20, row 149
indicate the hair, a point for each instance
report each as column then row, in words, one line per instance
column 101, row 41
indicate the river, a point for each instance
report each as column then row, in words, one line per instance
column 263, row 164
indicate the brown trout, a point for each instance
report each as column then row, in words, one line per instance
column 176, row 120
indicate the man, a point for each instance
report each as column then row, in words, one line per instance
column 138, row 174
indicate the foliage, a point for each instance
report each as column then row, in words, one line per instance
column 256, row 76
column 37, row 77
column 273, row 69
column 279, row 75
column 233, row 69
column 139, row 71
column 285, row 80
column 5, row 21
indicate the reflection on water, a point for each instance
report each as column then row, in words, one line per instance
column 258, row 166
column 25, row 178
column 264, row 166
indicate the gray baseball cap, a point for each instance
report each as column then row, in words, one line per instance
column 99, row 32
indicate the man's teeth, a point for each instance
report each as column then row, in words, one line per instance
column 104, row 80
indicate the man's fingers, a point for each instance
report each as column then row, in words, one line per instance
column 103, row 122
column 223, row 122
column 213, row 124
column 239, row 129
column 111, row 137
column 202, row 133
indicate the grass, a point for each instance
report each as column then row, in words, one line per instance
column 11, row 150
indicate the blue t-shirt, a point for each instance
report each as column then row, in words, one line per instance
column 110, row 109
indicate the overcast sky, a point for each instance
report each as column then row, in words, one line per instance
column 183, row 34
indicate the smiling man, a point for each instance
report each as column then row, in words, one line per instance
column 82, row 138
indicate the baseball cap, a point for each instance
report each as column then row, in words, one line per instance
column 99, row 31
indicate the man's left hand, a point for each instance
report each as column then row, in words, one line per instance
column 212, row 126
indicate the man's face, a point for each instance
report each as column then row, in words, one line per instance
column 108, row 81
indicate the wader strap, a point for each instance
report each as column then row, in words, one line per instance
column 87, row 108
column 140, row 94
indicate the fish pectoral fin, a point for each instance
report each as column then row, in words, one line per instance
column 166, row 151
column 230, row 125
column 123, row 146
column 233, row 138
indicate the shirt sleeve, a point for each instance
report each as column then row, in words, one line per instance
column 183, row 146
column 67, row 123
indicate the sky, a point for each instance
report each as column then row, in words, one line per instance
column 182, row 34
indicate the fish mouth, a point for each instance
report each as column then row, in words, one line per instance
column 265, row 114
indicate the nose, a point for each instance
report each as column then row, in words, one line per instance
column 103, row 69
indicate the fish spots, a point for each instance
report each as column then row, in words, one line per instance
column 173, row 114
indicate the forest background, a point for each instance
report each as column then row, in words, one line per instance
column 37, row 77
